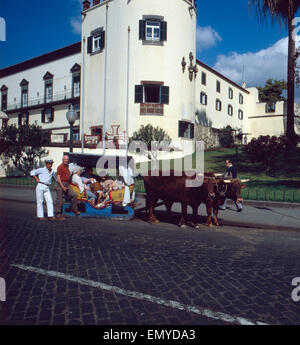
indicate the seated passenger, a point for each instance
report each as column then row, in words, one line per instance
column 77, row 180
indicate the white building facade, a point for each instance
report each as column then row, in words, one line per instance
column 135, row 65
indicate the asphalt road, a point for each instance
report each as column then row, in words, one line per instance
column 93, row 271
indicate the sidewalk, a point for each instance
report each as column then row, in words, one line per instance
column 255, row 214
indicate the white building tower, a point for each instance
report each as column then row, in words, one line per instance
column 139, row 67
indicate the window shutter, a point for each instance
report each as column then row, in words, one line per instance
column 139, row 93
column 192, row 131
column 27, row 118
column 52, row 115
column 90, row 45
column 142, row 29
column 43, row 116
column 163, row 31
column 20, row 119
column 181, row 129
column 102, row 40
column 164, row 94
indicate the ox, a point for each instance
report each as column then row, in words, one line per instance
column 173, row 188
column 226, row 189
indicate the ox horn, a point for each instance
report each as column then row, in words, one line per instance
column 244, row 181
column 227, row 181
column 218, row 175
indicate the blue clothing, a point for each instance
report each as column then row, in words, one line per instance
column 231, row 172
column 44, row 175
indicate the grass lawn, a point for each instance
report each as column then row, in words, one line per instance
column 280, row 184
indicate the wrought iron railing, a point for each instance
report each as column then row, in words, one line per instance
column 59, row 96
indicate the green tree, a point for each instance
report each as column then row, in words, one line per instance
column 23, row 145
column 272, row 91
column 226, row 138
column 266, row 149
column 283, row 12
column 155, row 139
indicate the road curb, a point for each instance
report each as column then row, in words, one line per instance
column 224, row 223
column 293, row 205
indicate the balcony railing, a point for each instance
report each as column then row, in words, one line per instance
column 32, row 102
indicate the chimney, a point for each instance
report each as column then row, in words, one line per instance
column 96, row 2
column 244, row 85
column 86, row 5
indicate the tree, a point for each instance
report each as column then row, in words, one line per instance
column 266, row 149
column 226, row 138
column 23, row 145
column 272, row 91
column 283, row 12
column 155, row 139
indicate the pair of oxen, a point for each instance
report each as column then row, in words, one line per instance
column 211, row 189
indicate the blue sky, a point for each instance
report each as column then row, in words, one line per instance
column 228, row 37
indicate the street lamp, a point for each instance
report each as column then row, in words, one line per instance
column 71, row 117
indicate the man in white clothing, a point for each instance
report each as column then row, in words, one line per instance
column 43, row 177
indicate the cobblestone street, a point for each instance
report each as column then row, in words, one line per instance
column 125, row 272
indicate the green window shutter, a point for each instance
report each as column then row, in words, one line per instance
column 181, row 127
column 192, row 131
column 102, row 40
column 139, row 93
column 90, row 45
column 164, row 94
column 20, row 119
column 43, row 116
column 163, row 31
column 142, row 29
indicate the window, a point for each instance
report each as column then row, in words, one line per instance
column 76, row 107
column 4, row 123
column 218, row 105
column 230, row 110
column 241, row 114
column 75, row 70
column 241, row 99
column 48, row 115
column 76, row 134
column 23, row 119
column 24, row 93
column 4, row 98
column 48, row 94
column 203, row 98
column 76, row 86
column 24, row 98
column 218, row 86
column 270, row 107
column 96, row 42
column 152, row 30
column 186, row 130
column 203, row 78
column 230, row 93
column 152, row 93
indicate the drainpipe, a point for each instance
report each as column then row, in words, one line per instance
column 127, row 101
column 82, row 95
column 105, row 83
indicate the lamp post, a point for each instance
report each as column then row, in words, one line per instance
column 71, row 117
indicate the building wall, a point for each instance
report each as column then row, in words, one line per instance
column 62, row 86
column 147, row 63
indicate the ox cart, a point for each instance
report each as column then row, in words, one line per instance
column 121, row 203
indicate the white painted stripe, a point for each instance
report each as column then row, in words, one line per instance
column 167, row 303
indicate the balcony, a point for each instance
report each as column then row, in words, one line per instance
column 34, row 103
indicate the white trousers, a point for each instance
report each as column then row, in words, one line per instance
column 43, row 191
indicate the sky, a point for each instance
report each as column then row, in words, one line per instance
column 229, row 37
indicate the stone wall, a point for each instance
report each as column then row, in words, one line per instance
column 209, row 135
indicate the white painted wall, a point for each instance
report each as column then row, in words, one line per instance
column 147, row 63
